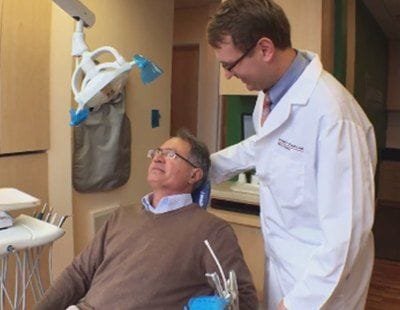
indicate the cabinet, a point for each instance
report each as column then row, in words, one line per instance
column 393, row 95
column 247, row 229
column 27, row 172
column 389, row 181
column 387, row 215
column 251, row 242
column 24, row 75
column 248, row 232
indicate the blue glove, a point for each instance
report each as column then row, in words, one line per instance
column 201, row 196
column 206, row 303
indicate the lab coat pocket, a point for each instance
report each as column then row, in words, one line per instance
column 285, row 177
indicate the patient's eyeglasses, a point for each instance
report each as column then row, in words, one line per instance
column 168, row 153
column 229, row 66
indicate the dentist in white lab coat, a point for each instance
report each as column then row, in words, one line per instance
column 315, row 157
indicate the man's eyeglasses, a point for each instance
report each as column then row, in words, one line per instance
column 230, row 66
column 168, row 153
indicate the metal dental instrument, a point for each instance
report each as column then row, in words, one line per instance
column 62, row 220
column 41, row 213
column 221, row 271
column 48, row 215
column 230, row 289
column 233, row 288
column 217, row 283
column 53, row 218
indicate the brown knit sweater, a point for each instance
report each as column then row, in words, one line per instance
column 141, row 260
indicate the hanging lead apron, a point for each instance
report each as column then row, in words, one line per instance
column 102, row 149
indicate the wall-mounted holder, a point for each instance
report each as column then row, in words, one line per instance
column 155, row 118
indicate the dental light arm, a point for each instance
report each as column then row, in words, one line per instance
column 94, row 83
column 78, row 11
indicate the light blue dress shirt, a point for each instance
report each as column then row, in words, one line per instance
column 297, row 67
column 168, row 203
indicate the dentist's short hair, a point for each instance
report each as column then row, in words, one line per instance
column 246, row 21
column 199, row 154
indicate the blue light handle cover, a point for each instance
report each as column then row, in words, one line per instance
column 78, row 117
column 149, row 71
column 201, row 196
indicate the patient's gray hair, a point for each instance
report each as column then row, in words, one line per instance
column 199, row 154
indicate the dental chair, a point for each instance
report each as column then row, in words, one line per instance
column 201, row 195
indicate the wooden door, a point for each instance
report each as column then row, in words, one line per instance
column 184, row 88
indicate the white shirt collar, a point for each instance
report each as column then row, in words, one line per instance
column 168, row 203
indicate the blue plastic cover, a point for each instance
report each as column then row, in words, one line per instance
column 148, row 70
column 77, row 118
column 207, row 303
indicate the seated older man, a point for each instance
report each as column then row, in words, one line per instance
column 152, row 255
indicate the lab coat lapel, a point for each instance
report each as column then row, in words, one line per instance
column 298, row 94
column 276, row 117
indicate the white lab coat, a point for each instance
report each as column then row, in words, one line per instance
column 315, row 158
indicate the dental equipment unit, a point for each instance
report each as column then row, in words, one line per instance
column 227, row 297
column 22, row 247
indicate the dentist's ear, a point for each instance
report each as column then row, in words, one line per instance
column 196, row 175
column 267, row 48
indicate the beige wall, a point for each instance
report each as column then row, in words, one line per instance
column 59, row 153
column 190, row 28
column 305, row 18
column 139, row 26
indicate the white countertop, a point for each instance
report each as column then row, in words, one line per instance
column 223, row 191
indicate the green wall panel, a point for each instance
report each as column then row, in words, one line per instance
column 236, row 106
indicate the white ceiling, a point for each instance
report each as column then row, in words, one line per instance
column 387, row 14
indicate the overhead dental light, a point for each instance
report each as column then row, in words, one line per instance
column 94, row 83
